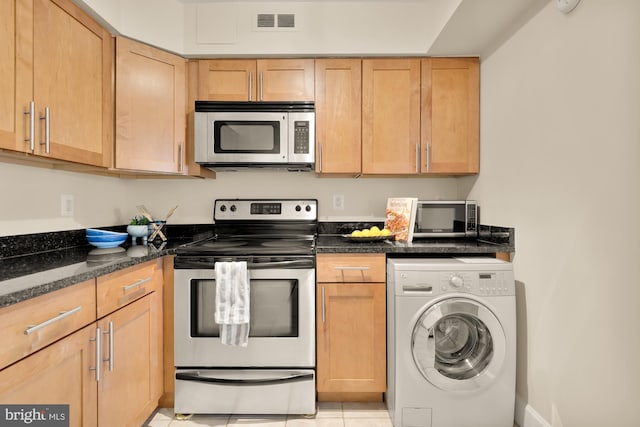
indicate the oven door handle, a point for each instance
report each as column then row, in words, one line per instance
column 195, row 376
column 298, row 263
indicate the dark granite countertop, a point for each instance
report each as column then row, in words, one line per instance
column 491, row 240
column 33, row 265
column 338, row 244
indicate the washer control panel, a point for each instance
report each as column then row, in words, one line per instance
column 411, row 278
column 479, row 283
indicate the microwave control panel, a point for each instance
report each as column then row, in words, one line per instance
column 301, row 137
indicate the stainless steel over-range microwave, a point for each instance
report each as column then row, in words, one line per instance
column 446, row 218
column 238, row 135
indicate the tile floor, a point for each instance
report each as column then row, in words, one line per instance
column 330, row 414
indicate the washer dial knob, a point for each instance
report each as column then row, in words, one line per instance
column 456, row 281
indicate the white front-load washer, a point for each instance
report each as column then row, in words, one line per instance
column 451, row 342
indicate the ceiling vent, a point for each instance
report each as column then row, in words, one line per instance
column 266, row 20
column 286, row 20
column 275, row 22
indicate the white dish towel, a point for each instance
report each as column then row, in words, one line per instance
column 232, row 302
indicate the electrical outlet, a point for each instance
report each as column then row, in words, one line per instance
column 66, row 205
column 338, row 202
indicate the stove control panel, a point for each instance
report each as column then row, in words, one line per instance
column 266, row 209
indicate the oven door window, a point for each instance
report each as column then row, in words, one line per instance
column 273, row 308
column 259, row 137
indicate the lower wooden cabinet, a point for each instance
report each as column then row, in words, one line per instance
column 351, row 327
column 109, row 372
column 62, row 373
column 131, row 381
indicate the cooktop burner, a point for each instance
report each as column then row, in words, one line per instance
column 259, row 227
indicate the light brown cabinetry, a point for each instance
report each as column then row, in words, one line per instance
column 108, row 370
column 338, row 116
column 351, row 327
column 59, row 374
column 150, row 108
column 131, row 384
column 256, row 80
column 450, row 116
column 33, row 324
column 9, row 123
column 61, row 76
column 390, row 116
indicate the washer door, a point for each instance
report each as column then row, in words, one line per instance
column 458, row 344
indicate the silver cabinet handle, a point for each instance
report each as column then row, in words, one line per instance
column 110, row 358
column 31, row 112
column 323, row 307
column 32, row 328
column 47, row 133
column 180, row 157
column 250, row 85
column 136, row 284
column 427, row 156
column 352, row 268
column 417, row 158
column 319, row 157
column 260, row 85
column 98, row 353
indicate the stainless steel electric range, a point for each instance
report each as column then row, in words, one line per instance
column 275, row 372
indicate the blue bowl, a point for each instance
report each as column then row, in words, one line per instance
column 105, row 245
column 99, row 232
column 100, row 239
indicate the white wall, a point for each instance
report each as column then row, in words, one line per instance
column 354, row 27
column 560, row 158
column 31, row 196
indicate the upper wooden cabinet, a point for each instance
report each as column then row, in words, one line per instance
column 256, row 80
column 390, row 116
column 9, row 124
column 61, row 76
column 150, row 108
column 338, row 116
column 450, row 116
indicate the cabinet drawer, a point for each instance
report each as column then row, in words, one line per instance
column 118, row 289
column 31, row 325
column 350, row 267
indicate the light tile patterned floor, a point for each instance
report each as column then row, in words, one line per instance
column 330, row 414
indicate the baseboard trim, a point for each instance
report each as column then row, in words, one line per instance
column 526, row 416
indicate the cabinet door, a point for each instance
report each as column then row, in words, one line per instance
column 72, row 76
column 351, row 337
column 150, row 108
column 450, row 115
column 10, row 136
column 131, row 384
column 338, row 116
column 227, row 80
column 285, row 79
column 390, row 116
column 57, row 374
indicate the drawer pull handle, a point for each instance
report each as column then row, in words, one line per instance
column 32, row 328
column 352, row 268
column 136, row 284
